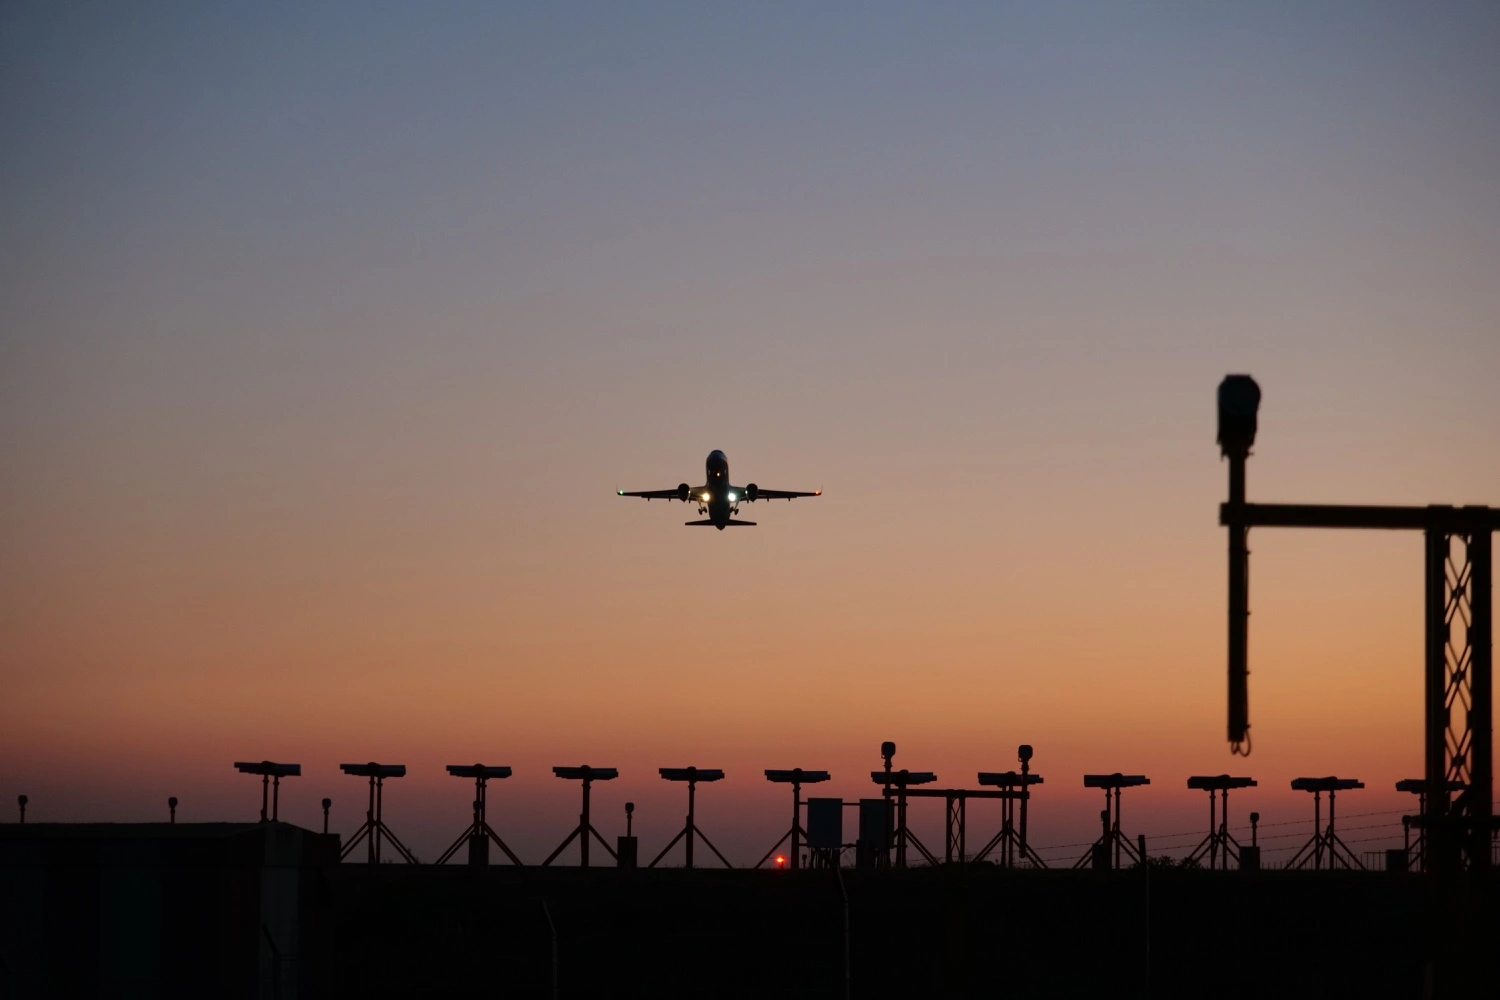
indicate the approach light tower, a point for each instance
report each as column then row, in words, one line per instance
column 1459, row 654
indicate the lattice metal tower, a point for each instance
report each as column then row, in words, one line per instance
column 1459, row 656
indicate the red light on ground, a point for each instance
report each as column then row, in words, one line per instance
column 780, row 861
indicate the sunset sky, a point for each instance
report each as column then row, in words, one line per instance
column 328, row 331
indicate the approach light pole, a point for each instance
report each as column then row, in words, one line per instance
column 1239, row 403
column 1459, row 654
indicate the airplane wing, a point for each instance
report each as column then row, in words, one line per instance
column 672, row 494
column 763, row 494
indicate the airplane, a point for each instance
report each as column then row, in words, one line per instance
column 719, row 500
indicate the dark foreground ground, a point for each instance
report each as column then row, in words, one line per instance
column 920, row 933
column 262, row 911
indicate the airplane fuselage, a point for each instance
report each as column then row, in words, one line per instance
column 717, row 499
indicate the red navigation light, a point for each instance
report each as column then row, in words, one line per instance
column 780, row 861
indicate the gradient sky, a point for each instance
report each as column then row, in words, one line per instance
column 327, row 332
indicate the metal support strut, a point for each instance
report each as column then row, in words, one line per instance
column 691, row 775
column 373, row 831
column 479, row 833
column 1325, row 842
column 1011, row 840
column 1110, row 837
column 796, row 777
column 271, row 774
column 585, row 829
column 1219, row 846
column 898, row 785
column 1459, row 697
column 1459, row 644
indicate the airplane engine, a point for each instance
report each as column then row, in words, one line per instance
column 682, row 492
column 752, row 491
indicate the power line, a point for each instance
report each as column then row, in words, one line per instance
column 1199, row 833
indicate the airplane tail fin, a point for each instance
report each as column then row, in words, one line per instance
column 716, row 524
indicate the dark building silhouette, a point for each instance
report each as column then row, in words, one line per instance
column 168, row 910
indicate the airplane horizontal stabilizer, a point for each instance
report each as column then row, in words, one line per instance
column 715, row 524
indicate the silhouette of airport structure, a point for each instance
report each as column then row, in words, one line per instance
column 849, row 901
column 324, row 927
column 1457, row 812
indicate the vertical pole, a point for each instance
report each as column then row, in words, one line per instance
column 1239, row 605
column 1224, row 827
column 1025, row 799
column 478, row 829
column 1480, row 793
column 1435, row 735
column 1005, row 827
column 963, row 828
column 692, row 788
column 1421, row 833
column 948, row 831
column 1213, row 830
column 265, row 780
column 583, row 824
column 276, row 799
column 1104, row 822
column 1317, row 830
column 885, row 852
column 370, row 823
column 796, row 824
column 1104, row 831
column 1119, row 794
column 1220, row 846
column 1014, row 853
column 1008, row 821
column 1225, row 837
column 1333, row 851
column 900, row 828
column 379, row 814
